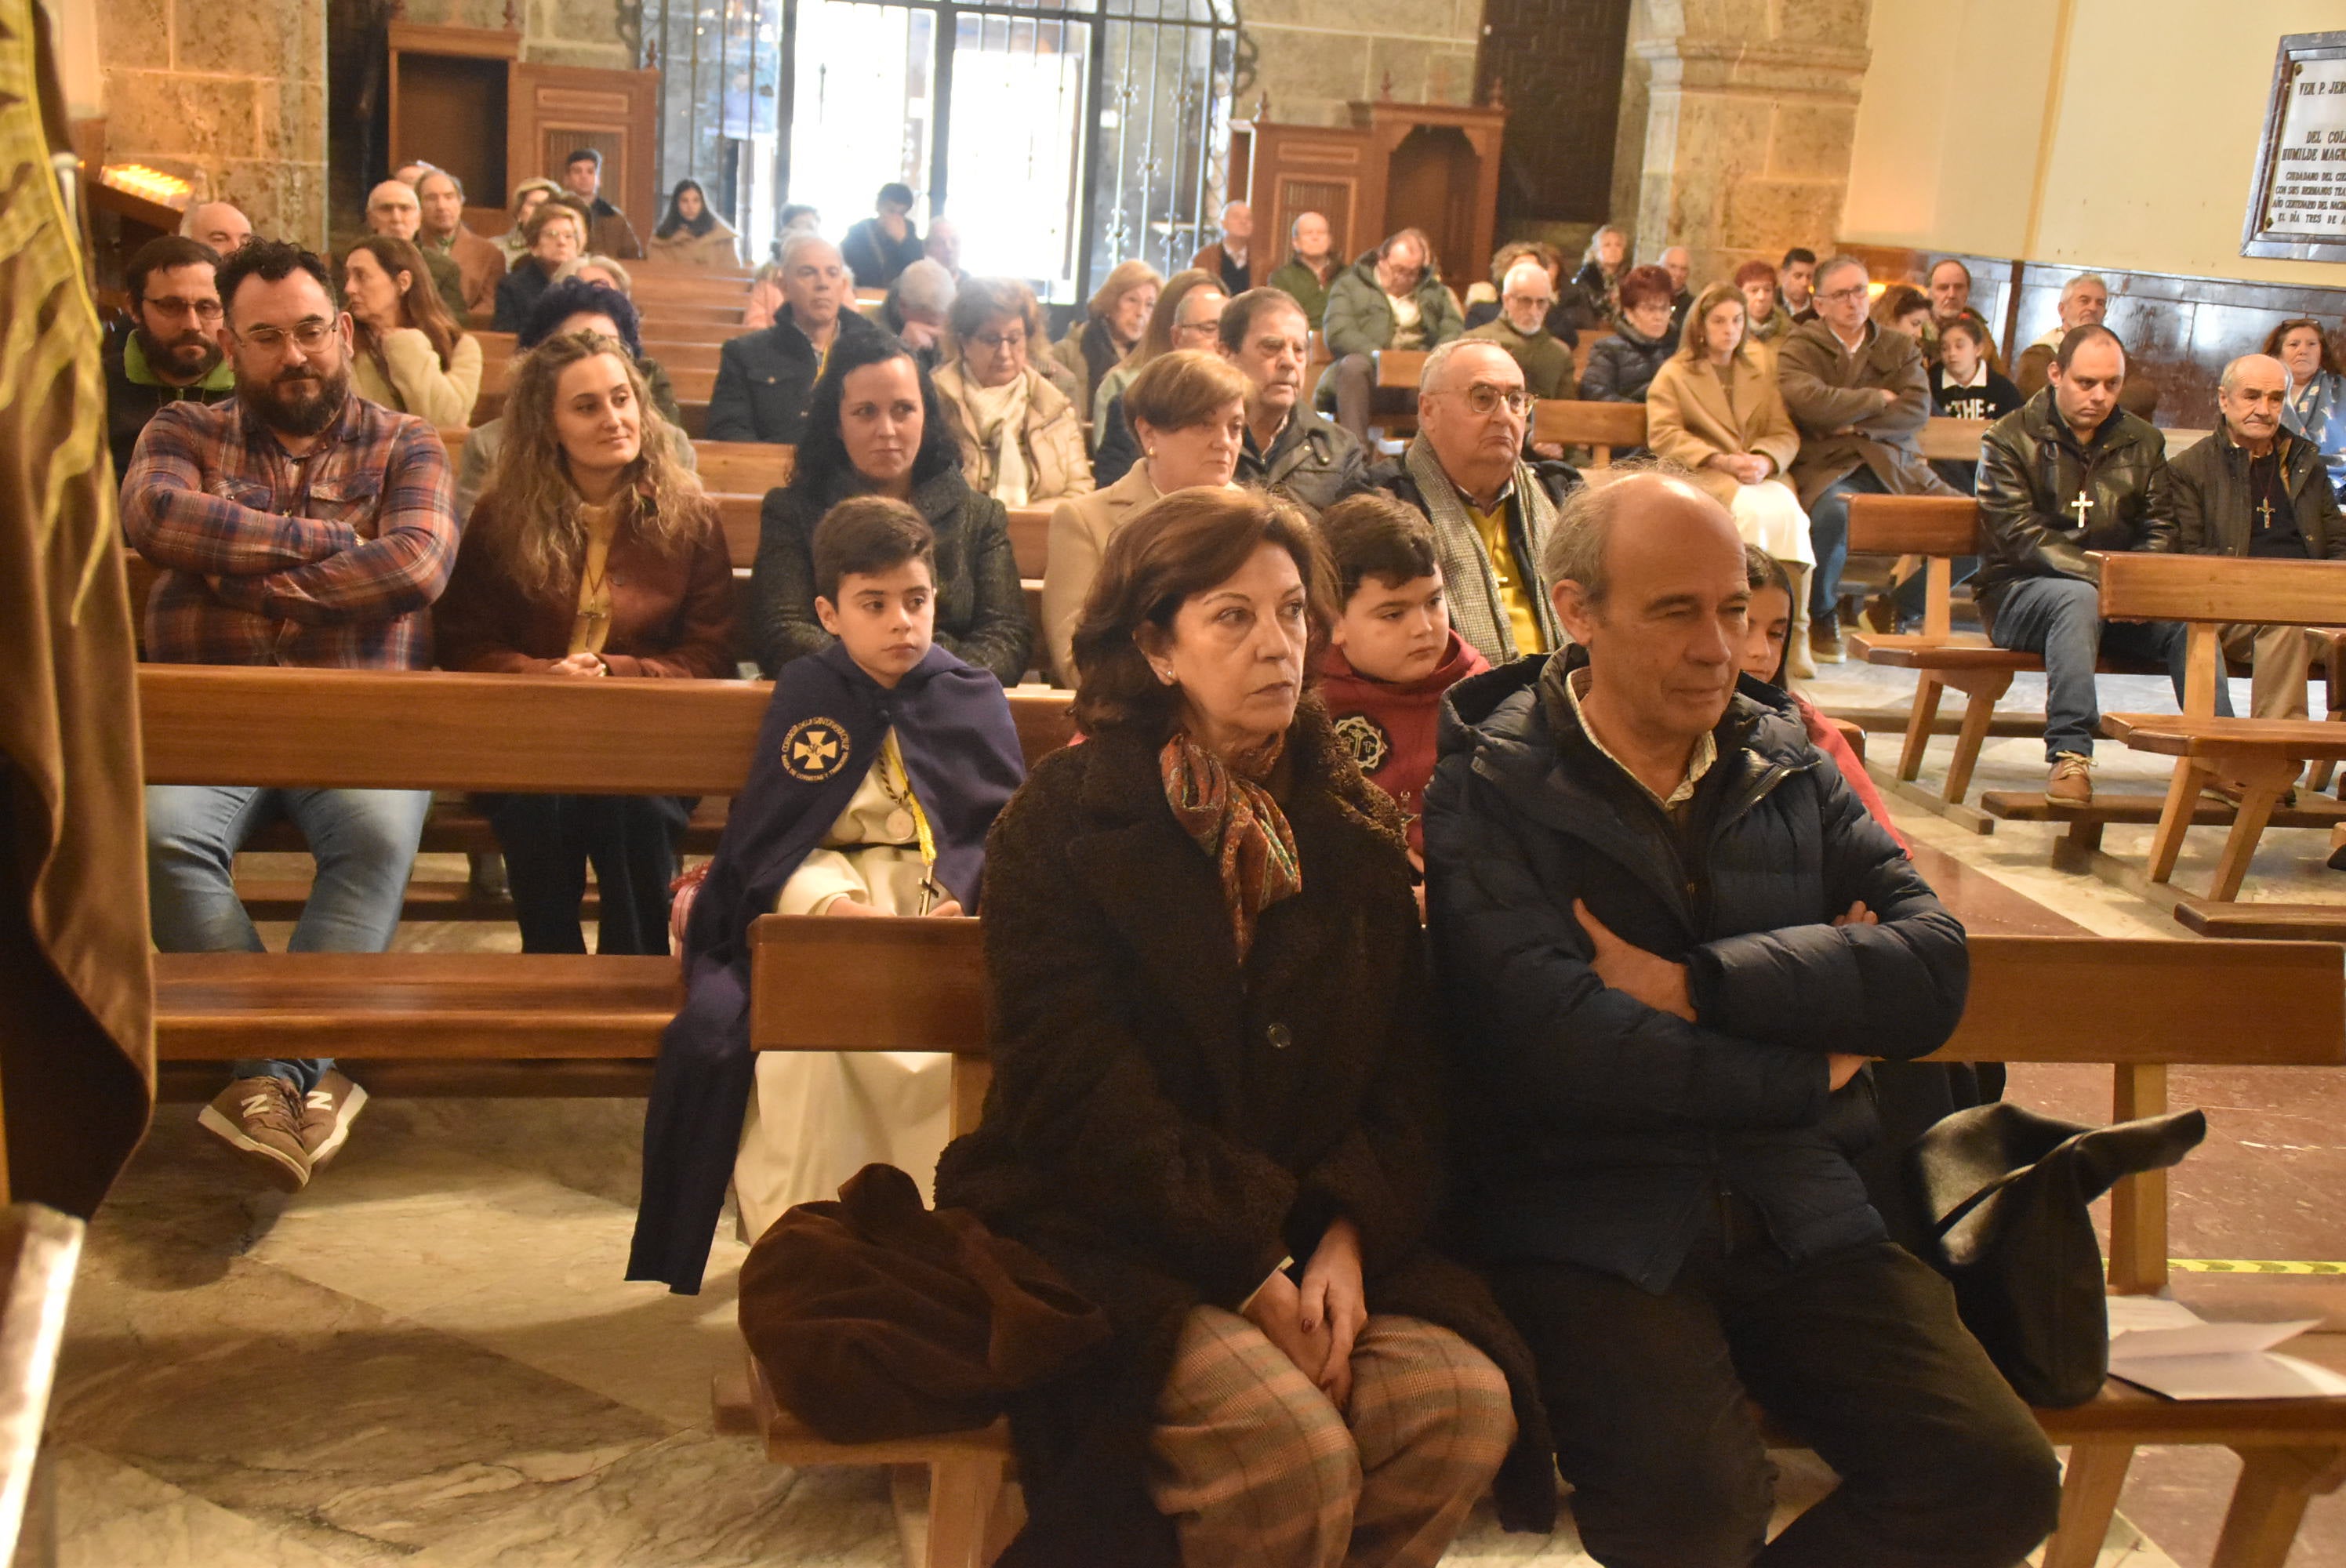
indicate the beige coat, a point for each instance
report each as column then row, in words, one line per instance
column 1691, row 415
column 1052, row 437
column 720, row 248
column 417, row 384
column 1080, row 530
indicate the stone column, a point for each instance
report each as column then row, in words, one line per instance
column 1751, row 116
column 234, row 90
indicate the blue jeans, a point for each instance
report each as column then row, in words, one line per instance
column 364, row 843
column 1829, row 531
column 2060, row 619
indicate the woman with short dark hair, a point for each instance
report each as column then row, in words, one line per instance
column 1216, row 1102
column 876, row 426
column 1621, row 367
column 1188, row 409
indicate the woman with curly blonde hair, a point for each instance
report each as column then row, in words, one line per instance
column 592, row 554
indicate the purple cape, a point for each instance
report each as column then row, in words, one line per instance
column 821, row 734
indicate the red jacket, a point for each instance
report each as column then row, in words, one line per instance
column 1388, row 728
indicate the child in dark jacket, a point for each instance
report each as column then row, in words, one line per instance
column 1392, row 654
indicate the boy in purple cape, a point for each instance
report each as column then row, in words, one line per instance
column 882, row 761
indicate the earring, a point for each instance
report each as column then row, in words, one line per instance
column 1150, row 454
column 1164, row 674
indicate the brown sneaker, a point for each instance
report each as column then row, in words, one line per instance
column 2072, row 783
column 1824, row 642
column 326, row 1116
column 261, row 1118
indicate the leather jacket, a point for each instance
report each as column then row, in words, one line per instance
column 2213, row 500
column 2033, row 470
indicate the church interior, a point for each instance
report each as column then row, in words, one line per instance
column 217, row 1349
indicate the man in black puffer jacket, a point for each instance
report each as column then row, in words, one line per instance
column 1669, row 936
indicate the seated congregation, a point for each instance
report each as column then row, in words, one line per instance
column 1442, row 1005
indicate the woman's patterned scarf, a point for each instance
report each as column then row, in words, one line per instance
column 1242, row 829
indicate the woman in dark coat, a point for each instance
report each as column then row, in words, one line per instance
column 875, row 425
column 1621, row 367
column 1215, row 1106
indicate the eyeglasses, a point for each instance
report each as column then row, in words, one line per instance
column 995, row 342
column 1842, row 296
column 1195, row 328
column 307, row 336
column 1484, row 398
column 170, row 305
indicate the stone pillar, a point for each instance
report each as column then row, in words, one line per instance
column 1750, row 117
column 234, row 92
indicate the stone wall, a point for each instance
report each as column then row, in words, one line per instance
column 1749, row 114
column 553, row 32
column 231, row 90
column 1315, row 57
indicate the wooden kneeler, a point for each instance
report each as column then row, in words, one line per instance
column 882, row 985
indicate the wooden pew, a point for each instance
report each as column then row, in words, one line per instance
column 2141, row 1007
column 2205, row 593
column 1601, row 426
column 435, row 731
column 1398, row 369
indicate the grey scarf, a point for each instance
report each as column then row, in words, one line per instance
column 1467, row 580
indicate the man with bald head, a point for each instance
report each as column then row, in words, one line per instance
column 1491, row 511
column 1667, row 937
column 1311, row 265
column 219, row 225
column 395, row 209
column 479, row 263
column 1229, row 259
column 1392, row 297
column 1679, row 262
column 2085, row 303
column 2253, row 487
column 765, row 380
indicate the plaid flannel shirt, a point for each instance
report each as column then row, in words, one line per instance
column 333, row 559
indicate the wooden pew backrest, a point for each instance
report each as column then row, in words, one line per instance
column 1605, row 426
column 2207, row 593
column 432, row 729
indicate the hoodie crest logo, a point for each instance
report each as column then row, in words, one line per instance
column 1364, row 739
column 815, row 749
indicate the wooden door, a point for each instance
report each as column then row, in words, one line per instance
column 1307, row 168
column 557, row 109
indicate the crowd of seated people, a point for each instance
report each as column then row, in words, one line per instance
column 1342, row 703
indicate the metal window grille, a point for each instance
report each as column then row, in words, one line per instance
column 1123, row 140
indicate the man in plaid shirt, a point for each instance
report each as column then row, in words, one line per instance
column 297, row 523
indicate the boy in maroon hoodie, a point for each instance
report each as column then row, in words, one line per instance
column 1392, row 654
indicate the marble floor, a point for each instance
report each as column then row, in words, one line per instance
column 428, row 1357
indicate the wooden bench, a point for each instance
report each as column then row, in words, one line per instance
column 1603, row 427
column 2204, row 593
column 1937, row 529
column 1398, row 370
column 436, row 730
column 2140, row 1006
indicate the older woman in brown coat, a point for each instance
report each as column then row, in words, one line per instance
column 1021, row 438
column 1715, row 408
column 1215, row 1106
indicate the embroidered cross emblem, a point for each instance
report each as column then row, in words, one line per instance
column 815, row 749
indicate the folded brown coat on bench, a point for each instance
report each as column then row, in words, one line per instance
column 873, row 1318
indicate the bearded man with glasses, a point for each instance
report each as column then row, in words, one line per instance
column 167, row 350
column 295, row 524
column 1492, row 509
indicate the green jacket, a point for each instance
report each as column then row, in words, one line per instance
column 1304, row 285
column 1358, row 321
column 1547, row 363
